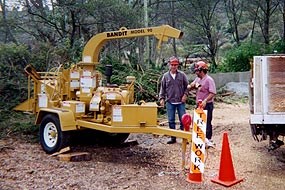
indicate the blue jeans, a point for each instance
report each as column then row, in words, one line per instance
column 171, row 111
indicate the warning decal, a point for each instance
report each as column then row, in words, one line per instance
column 117, row 114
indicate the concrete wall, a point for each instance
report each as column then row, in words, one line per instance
column 223, row 78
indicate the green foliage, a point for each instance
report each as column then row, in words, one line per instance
column 278, row 47
column 44, row 56
column 147, row 81
column 13, row 83
column 18, row 123
column 72, row 51
column 114, row 14
column 238, row 58
column 13, row 59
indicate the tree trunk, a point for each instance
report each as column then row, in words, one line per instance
column 253, row 25
column 234, row 12
column 266, row 23
column 8, row 34
column 141, row 46
column 283, row 16
column 212, row 48
column 173, row 23
column 147, row 48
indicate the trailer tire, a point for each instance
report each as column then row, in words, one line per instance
column 52, row 139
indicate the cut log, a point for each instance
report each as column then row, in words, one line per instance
column 66, row 149
column 75, row 157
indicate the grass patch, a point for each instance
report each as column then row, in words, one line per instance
column 18, row 124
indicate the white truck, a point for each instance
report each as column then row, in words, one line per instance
column 267, row 99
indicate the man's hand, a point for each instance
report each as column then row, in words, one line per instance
column 193, row 86
column 162, row 102
column 184, row 98
column 204, row 102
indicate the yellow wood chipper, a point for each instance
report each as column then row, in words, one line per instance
column 72, row 99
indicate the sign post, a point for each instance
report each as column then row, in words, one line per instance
column 198, row 149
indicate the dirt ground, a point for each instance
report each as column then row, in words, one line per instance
column 149, row 164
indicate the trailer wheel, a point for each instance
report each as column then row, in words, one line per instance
column 52, row 139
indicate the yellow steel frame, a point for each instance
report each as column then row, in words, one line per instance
column 92, row 48
column 186, row 136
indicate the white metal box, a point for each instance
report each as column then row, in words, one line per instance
column 77, row 107
column 268, row 90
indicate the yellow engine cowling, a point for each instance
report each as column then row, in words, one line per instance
column 105, row 98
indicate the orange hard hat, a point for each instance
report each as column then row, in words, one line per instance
column 174, row 60
column 201, row 65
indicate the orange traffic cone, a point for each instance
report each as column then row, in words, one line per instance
column 226, row 175
column 194, row 177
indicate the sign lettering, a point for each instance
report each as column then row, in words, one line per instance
column 114, row 34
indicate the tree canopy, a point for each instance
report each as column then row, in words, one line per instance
column 210, row 27
column 49, row 33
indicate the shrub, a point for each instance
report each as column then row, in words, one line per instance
column 238, row 58
column 278, row 47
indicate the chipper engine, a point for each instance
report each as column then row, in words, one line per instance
column 73, row 99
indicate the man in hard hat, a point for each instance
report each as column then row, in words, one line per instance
column 173, row 94
column 206, row 90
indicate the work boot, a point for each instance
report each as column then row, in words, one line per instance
column 172, row 140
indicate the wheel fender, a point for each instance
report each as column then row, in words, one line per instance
column 66, row 118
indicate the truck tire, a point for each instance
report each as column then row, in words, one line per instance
column 52, row 139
